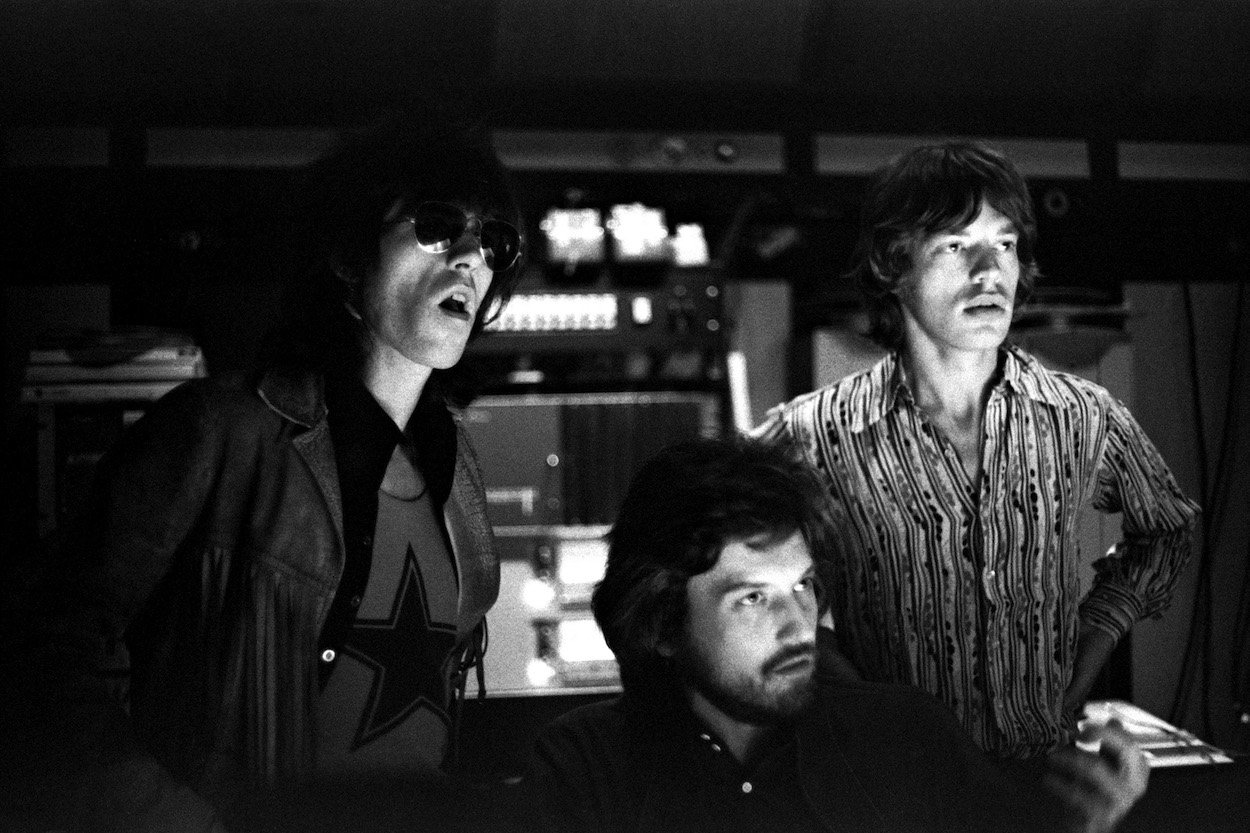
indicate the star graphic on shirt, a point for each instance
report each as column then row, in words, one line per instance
column 406, row 652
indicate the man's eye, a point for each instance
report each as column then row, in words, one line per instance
column 805, row 586
column 1007, row 245
column 952, row 247
column 751, row 599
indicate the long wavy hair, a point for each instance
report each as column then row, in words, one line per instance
column 931, row 189
column 679, row 512
column 418, row 156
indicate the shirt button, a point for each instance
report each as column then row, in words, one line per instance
column 705, row 736
column 716, row 747
column 355, row 602
column 328, row 655
column 366, row 541
column 991, row 574
column 746, row 786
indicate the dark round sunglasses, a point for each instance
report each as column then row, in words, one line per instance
column 438, row 225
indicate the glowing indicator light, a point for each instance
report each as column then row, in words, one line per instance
column 582, row 561
column 537, row 594
column 539, row 672
column 580, row 640
column 640, row 232
column 689, row 245
column 641, row 311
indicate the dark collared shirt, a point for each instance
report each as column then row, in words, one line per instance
column 972, row 591
column 364, row 437
column 868, row 758
column 655, row 766
column 764, row 796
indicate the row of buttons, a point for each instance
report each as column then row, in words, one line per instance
column 746, row 785
column 328, row 655
column 543, row 312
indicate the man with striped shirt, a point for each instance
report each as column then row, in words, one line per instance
column 957, row 468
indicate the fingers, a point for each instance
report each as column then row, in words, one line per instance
column 1097, row 790
column 1121, row 752
column 1078, row 814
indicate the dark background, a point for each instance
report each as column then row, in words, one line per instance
column 205, row 246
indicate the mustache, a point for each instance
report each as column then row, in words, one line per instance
column 973, row 294
column 985, row 295
column 785, row 655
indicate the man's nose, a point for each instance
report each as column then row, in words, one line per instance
column 985, row 265
column 797, row 619
column 469, row 245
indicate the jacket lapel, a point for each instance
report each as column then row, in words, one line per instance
column 299, row 397
column 317, row 452
column 472, row 542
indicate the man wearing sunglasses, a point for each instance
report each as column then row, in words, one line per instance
column 298, row 560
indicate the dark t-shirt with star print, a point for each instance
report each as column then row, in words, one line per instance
column 384, row 699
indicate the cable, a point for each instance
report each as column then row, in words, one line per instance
column 1219, row 496
column 1240, row 670
column 1200, row 619
column 1184, row 683
column 1221, row 492
column 1199, row 656
column 1240, row 673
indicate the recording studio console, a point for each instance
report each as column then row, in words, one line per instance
column 585, row 385
column 685, row 312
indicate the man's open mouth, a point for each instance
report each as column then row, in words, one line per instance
column 457, row 302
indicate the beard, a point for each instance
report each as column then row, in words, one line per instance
column 764, row 699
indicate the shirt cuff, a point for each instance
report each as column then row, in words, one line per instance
column 1111, row 609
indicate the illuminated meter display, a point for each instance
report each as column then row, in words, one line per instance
column 580, row 640
column 689, row 245
column 639, row 234
column 572, row 651
column 557, row 312
column 574, row 235
column 579, row 565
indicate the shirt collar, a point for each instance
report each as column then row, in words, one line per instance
column 679, row 720
column 364, row 435
column 1023, row 374
column 887, row 386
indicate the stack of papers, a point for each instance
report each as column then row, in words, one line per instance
column 1162, row 743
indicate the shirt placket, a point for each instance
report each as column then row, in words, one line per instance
column 967, row 672
column 991, row 555
column 731, row 772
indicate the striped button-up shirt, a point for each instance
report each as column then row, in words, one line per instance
column 972, row 590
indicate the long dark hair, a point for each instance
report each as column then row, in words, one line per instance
column 420, row 155
column 681, row 509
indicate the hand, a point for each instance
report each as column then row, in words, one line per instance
column 1096, row 789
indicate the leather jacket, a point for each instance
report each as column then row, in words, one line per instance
column 213, row 545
